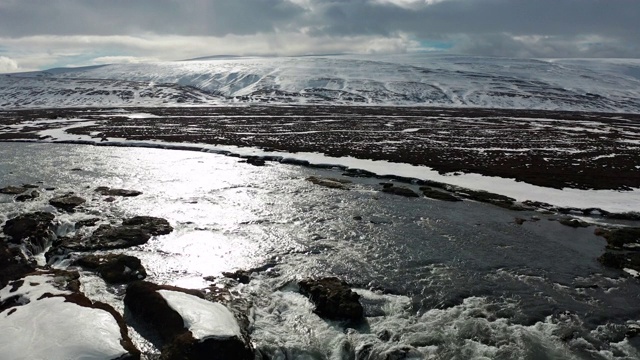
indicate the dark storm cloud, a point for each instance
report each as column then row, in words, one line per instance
column 35, row 33
column 353, row 17
column 127, row 17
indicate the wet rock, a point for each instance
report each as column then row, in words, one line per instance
column 333, row 299
column 181, row 332
column 622, row 261
column 67, row 202
column 86, row 222
column 438, row 195
column 574, row 223
column 519, row 221
column 30, row 186
column 153, row 225
column 622, row 238
column 107, row 191
column 400, row 190
column 13, row 190
column 28, row 197
column 487, row 197
column 255, row 161
column 34, row 229
column 114, row 268
column 134, row 231
column 241, row 276
column 13, row 265
column 329, row 182
column 633, row 216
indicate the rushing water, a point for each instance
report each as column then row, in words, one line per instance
column 438, row 280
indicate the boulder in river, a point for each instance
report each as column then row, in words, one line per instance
column 622, row 238
column 333, row 298
column 67, row 202
column 28, row 196
column 13, row 190
column 114, row 268
column 34, row 229
column 134, row 231
column 439, row 195
column 13, row 264
column 107, row 191
column 190, row 326
column 329, row 182
column 400, row 190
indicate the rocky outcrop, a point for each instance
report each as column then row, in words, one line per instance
column 190, row 326
column 114, row 268
column 13, row 190
column 333, row 298
column 134, row 231
column 623, row 238
column 153, row 225
column 331, row 183
column 574, row 223
column 33, row 229
column 107, row 191
column 28, row 196
column 67, row 202
column 13, row 265
column 438, row 195
column 622, row 261
column 399, row 190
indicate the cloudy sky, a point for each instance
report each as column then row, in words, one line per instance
column 40, row 34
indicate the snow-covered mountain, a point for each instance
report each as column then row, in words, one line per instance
column 409, row 79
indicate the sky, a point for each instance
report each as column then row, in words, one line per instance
column 42, row 34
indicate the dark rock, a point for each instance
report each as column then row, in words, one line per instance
column 114, row 269
column 153, row 225
column 628, row 260
column 487, row 197
column 86, row 222
column 134, row 231
column 13, row 190
column 519, row 221
column 574, row 223
column 384, row 335
column 107, row 191
column 333, row 299
column 634, row 216
column 439, row 195
column 400, row 190
column 241, row 276
column 30, row 186
column 294, row 162
column 13, row 265
column 623, row 237
column 27, row 197
column 67, row 202
column 34, row 229
column 357, row 218
column 255, row 161
column 110, row 199
column 329, row 182
column 145, row 303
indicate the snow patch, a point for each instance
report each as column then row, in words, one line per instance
column 205, row 319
